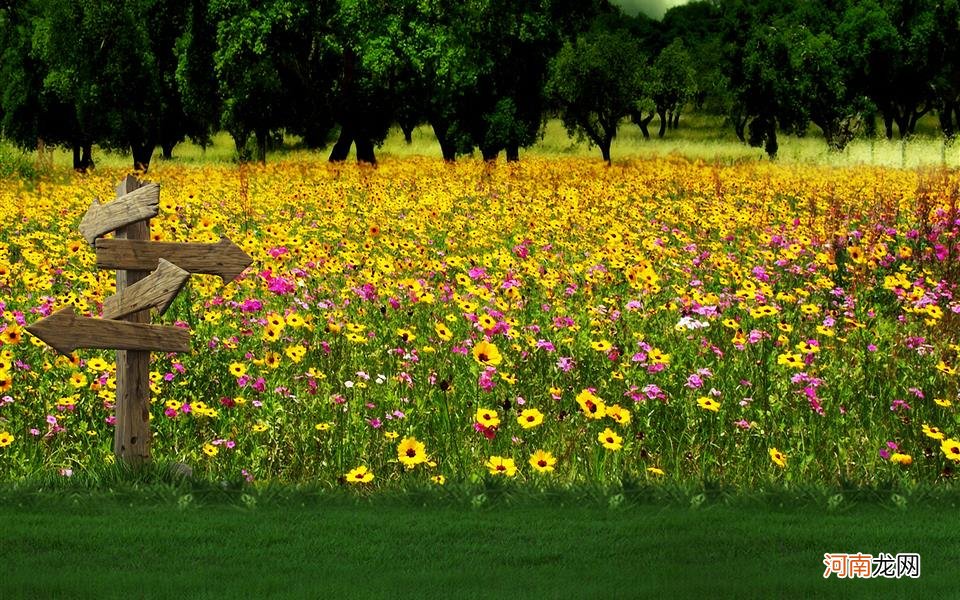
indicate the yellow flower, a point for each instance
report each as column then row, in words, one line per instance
column 359, row 475
column 601, row 345
column 322, row 426
column 438, row 479
column 654, row 471
column 933, row 432
column 487, row 354
column 295, row 353
column 942, row 402
column 530, row 418
column 411, row 452
column 619, row 414
column 657, row 357
column 210, row 450
column 391, row 435
column 259, row 427
column 610, row 440
column 499, row 465
column 5, row 439
column 97, row 365
column 790, row 360
column 779, row 458
column 487, row 417
column 901, row 459
column 11, row 335
column 542, row 461
column 591, row 405
column 443, row 332
column 708, row 403
column 238, row 369
column 951, row 448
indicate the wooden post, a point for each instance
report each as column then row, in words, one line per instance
column 132, row 437
column 125, row 323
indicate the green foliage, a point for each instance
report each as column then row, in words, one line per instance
column 595, row 82
column 671, row 82
column 140, row 73
column 14, row 164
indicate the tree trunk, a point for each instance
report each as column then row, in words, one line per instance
column 740, row 126
column 142, row 153
column 912, row 120
column 663, row 122
column 446, row 148
column 513, row 152
column 888, row 124
column 342, row 148
column 771, row 145
column 605, row 149
column 676, row 120
column 261, row 146
column 489, row 154
column 86, row 161
column 167, row 149
column 407, row 129
column 901, row 121
column 946, row 122
column 365, row 153
column 76, row 158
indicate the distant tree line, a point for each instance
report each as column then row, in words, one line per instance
column 139, row 75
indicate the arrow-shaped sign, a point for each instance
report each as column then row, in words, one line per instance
column 142, row 203
column 65, row 332
column 157, row 290
column 224, row 258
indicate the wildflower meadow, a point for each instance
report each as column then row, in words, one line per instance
column 550, row 322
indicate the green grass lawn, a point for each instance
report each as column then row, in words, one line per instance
column 98, row 544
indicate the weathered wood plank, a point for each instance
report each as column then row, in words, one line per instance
column 65, row 332
column 132, row 438
column 158, row 290
column 136, row 205
column 224, row 258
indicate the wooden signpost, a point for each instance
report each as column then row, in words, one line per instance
column 125, row 324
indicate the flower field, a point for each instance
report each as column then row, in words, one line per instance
column 549, row 322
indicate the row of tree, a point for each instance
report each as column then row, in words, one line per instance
column 142, row 74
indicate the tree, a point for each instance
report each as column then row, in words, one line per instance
column 699, row 25
column 195, row 77
column 946, row 81
column 891, row 43
column 671, row 83
column 30, row 115
column 367, row 68
column 595, row 82
column 99, row 61
column 259, row 49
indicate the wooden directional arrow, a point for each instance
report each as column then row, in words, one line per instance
column 65, row 332
column 157, row 290
column 224, row 258
column 142, row 203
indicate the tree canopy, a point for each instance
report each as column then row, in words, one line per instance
column 484, row 74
